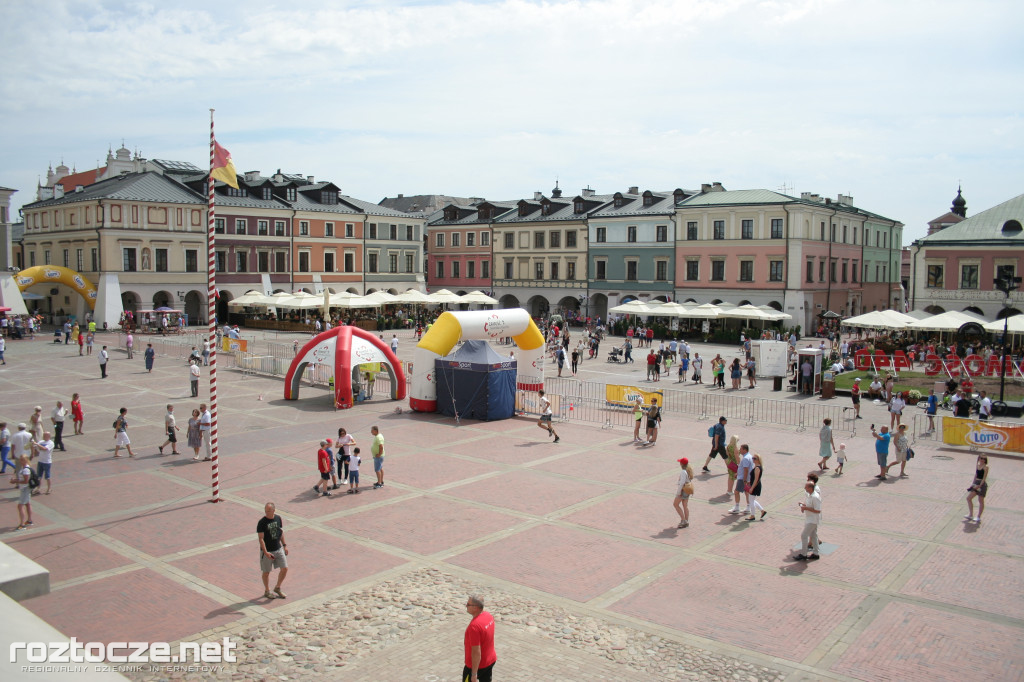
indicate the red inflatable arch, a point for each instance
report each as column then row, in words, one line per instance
column 344, row 347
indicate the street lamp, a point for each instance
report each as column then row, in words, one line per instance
column 1006, row 284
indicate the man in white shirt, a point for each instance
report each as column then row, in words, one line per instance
column 44, row 451
column 811, row 507
column 57, row 418
column 985, row 409
column 546, row 416
column 103, row 356
column 746, row 465
column 205, row 426
column 193, row 370
column 19, row 442
column 170, row 428
column 844, row 349
column 394, row 344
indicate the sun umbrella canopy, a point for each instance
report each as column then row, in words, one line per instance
column 747, row 312
column 634, row 307
column 412, row 296
column 379, row 298
column 707, row 311
column 249, row 298
column 1014, row 325
column 444, row 296
column 478, row 297
column 949, row 321
column 880, row 319
column 668, row 309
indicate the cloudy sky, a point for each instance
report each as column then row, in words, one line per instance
column 892, row 102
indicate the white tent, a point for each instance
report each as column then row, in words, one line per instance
column 444, row 296
column 379, row 298
column 412, row 296
column 634, row 307
column 880, row 319
column 250, row 298
column 949, row 321
column 668, row 309
column 707, row 311
column 747, row 312
column 478, row 297
column 1014, row 325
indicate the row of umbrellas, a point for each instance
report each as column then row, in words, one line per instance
column 949, row 321
column 303, row 300
column 706, row 311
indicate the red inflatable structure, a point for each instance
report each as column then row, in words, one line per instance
column 344, row 348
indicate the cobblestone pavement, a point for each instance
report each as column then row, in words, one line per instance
column 574, row 546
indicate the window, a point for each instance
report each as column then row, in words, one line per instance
column 691, row 230
column 328, row 262
column 821, row 271
column 94, row 255
column 485, row 239
column 600, row 269
column 853, row 271
column 372, row 265
column 510, row 240
column 409, row 262
column 810, row 269
column 161, row 260
column 291, row 194
column 746, row 271
column 968, row 276
column 631, row 270
column 220, row 261
column 832, row 271
column 456, row 269
column 303, row 261
column 241, row 261
column 883, row 275
column 373, row 230
column 79, row 259
column 240, row 226
column 408, row 233
column 267, row 193
column 328, row 197
column 570, row 239
column 661, row 233
column 455, row 239
column 237, row 192
column 692, row 270
column 554, row 271
column 263, row 227
column 32, row 258
column 832, row 234
column 935, row 277
column 631, row 234
column 262, row 262
column 304, row 228
column 67, row 258
column 280, row 261
column 538, row 269
column 844, row 234
column 485, row 268
column 718, row 271
column 845, row 264
column 1005, row 271
column 350, row 230
column 393, row 263
column 878, row 269
column 822, row 230
column 439, row 240
column 328, row 229
column 719, row 229
column 538, row 240
column 602, row 234
column 218, row 225
column 471, row 239
column 577, row 206
column 128, row 258
column 279, row 228
column 570, row 270
column 661, row 270
column 775, row 271
column 471, row 270
column 747, row 229
column 509, row 269
column 776, row 228
column 555, row 239
column 394, row 234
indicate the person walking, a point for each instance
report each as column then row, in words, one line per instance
column 20, row 440
column 717, row 443
column 932, row 409
column 684, row 489
column 881, row 449
column 754, row 487
column 746, row 465
column 170, row 428
column 377, row 450
column 546, row 415
column 129, row 343
column 732, row 464
column 896, row 405
column 902, row 446
column 560, row 359
column 121, row 439
column 575, row 358
column 651, row 360
column 698, row 366
column 736, row 374
column 478, row 643
column 81, row 343
column 77, row 416
column 103, row 357
column 826, row 444
column 978, row 489
column 324, row 466
column 57, row 416
column 811, row 508
column 20, row 481
column 751, row 368
column 35, row 423
column 984, row 407
column 638, row 418
column 5, row 448
column 206, row 352
column 193, row 371
column 150, row 356
column 205, row 430
column 653, row 422
column 194, row 436
column 89, row 339
column 273, row 550
column 855, row 398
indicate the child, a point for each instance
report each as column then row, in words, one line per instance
column 841, row 459
column 334, row 463
column 684, row 365
column 353, row 471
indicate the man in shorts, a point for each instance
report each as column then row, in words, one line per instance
column 273, row 550
column 44, row 451
column 377, row 450
column 717, row 443
column 323, row 463
column 546, row 415
column 855, row 397
column 170, row 427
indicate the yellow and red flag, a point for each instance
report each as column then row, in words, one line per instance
column 223, row 168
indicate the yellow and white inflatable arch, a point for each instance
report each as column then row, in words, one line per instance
column 453, row 327
column 45, row 274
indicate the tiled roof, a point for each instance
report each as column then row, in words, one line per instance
column 985, row 226
column 150, row 186
column 69, row 182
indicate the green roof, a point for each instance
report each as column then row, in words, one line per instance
column 986, row 226
column 739, row 196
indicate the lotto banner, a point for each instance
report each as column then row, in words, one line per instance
column 982, row 434
column 229, row 344
column 625, row 396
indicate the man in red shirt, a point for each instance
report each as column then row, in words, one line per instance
column 652, row 360
column 323, row 462
column 480, row 656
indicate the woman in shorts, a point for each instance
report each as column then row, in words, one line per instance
column 979, row 488
column 638, row 418
column 653, row 421
column 682, row 499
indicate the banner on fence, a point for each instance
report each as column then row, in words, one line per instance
column 528, row 402
column 231, row 345
column 982, row 434
column 625, row 396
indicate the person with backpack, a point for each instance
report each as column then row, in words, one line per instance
column 23, row 482
column 121, row 440
column 717, row 435
column 653, row 422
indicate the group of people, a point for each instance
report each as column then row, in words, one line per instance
column 198, row 432
column 338, row 462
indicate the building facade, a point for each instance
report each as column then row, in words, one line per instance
column 459, row 247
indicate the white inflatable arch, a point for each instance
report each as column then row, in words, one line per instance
column 453, row 327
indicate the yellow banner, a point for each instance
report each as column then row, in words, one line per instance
column 982, row 434
column 371, row 367
column 229, row 344
column 625, row 396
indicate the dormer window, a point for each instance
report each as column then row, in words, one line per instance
column 450, row 213
column 237, row 192
column 484, row 213
column 577, row 206
column 619, row 201
column 292, row 194
column 329, row 197
column 524, row 209
column 648, row 199
column 545, row 208
column 267, row 194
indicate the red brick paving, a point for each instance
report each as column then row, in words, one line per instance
column 648, row 517
column 80, row 500
column 529, row 492
column 512, row 450
column 755, row 609
column 907, row 641
column 539, row 557
column 973, row 580
column 431, row 471
column 606, row 467
column 999, row 531
column 873, row 509
column 66, row 554
column 181, row 527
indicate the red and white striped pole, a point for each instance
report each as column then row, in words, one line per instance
column 211, row 297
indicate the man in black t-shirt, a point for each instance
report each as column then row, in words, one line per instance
column 273, row 550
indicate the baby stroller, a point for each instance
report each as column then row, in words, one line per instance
column 57, row 335
column 615, row 355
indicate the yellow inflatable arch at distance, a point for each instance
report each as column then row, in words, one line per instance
column 55, row 274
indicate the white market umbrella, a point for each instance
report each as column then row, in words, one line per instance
column 776, row 315
column 380, row 298
column 707, row 311
column 1014, row 325
column 949, row 321
column 281, row 300
column 919, row 314
column 412, row 296
column 746, row 312
column 250, row 298
column 669, row 310
column 346, row 299
column 880, row 319
column 444, row 296
column 634, row 307
column 478, row 297
column 306, row 301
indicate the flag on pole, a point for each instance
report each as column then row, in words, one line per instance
column 223, row 168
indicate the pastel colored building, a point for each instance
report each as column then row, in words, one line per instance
column 459, row 246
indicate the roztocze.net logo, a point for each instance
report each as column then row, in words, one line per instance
column 74, row 651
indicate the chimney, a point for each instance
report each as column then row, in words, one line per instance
column 717, row 187
column 401, row 196
column 309, row 179
column 845, row 200
column 537, row 196
column 810, row 196
column 633, row 190
column 58, row 191
column 588, row 191
column 252, row 176
column 79, row 188
column 828, row 201
column 705, row 188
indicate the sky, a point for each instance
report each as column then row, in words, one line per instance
column 894, row 103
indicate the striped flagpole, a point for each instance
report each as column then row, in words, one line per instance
column 211, row 297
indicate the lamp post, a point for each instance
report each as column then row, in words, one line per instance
column 1006, row 284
